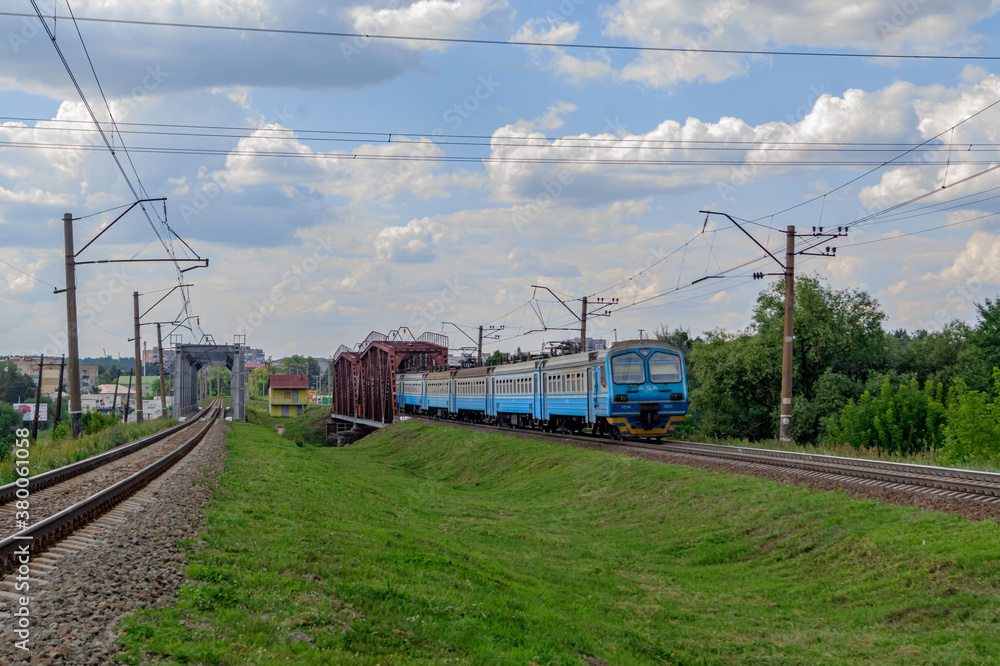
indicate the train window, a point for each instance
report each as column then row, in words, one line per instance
column 627, row 369
column 664, row 368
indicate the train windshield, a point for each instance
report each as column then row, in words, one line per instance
column 627, row 369
column 664, row 368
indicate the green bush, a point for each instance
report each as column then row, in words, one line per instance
column 908, row 420
column 973, row 424
column 111, row 438
column 94, row 422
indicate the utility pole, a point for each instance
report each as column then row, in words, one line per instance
column 787, row 348
column 163, row 387
column 62, row 369
column 38, row 397
column 138, row 362
column 788, row 338
column 582, row 317
column 491, row 332
column 114, row 401
column 75, row 401
column 480, row 357
column 128, row 395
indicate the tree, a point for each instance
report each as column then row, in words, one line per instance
column 15, row 386
column 838, row 338
column 258, row 382
column 312, row 371
column 108, row 375
column 738, row 385
column 295, row 365
column 985, row 340
column 10, row 421
column 939, row 357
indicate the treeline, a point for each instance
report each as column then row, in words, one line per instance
column 854, row 382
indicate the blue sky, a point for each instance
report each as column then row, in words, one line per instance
column 323, row 244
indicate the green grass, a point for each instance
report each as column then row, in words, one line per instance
column 48, row 454
column 306, row 428
column 427, row 545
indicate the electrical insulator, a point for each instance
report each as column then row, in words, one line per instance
column 758, row 276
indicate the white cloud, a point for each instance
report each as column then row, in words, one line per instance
column 874, row 25
column 552, row 30
column 886, row 115
column 413, row 244
column 338, row 173
column 439, row 18
column 187, row 59
column 939, row 109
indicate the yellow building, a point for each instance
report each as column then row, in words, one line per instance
column 288, row 395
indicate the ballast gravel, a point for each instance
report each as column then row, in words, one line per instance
column 77, row 610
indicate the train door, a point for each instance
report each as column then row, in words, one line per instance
column 536, row 404
column 591, row 396
column 490, row 391
column 543, row 402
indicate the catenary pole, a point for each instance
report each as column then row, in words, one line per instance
column 38, row 397
column 785, row 428
column 62, row 372
column 138, row 361
column 480, row 345
column 75, row 401
column 163, row 387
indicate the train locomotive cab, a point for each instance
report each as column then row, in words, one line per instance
column 647, row 389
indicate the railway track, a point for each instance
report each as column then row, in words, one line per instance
column 941, row 482
column 152, row 456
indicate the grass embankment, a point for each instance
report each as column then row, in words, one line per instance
column 306, row 428
column 426, row 544
column 48, row 454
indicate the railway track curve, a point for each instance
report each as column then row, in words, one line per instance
column 942, row 482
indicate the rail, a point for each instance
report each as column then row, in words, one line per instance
column 8, row 492
column 981, row 486
column 42, row 535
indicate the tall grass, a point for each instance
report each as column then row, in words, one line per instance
column 50, row 454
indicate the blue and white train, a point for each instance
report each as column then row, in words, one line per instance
column 633, row 389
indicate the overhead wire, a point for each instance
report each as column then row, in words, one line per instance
column 562, row 142
column 90, row 111
column 892, row 161
column 26, row 273
column 482, row 159
column 525, row 43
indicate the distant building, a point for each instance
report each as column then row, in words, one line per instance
column 288, row 395
column 253, row 355
column 28, row 365
column 152, row 357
